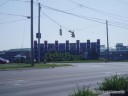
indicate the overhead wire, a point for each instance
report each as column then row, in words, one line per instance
column 24, row 33
column 15, row 15
column 119, row 23
column 97, row 9
column 54, row 20
column 68, row 28
column 10, row 14
column 85, row 27
column 124, row 2
column 118, row 17
column 4, row 3
column 21, row 0
column 60, row 24
column 50, row 17
column 72, row 8
column 84, row 17
column 13, row 21
column 47, row 15
column 118, row 26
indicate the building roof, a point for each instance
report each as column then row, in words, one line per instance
column 21, row 49
column 2, row 52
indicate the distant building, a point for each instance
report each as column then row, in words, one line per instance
column 10, row 54
column 82, row 50
column 58, row 51
column 121, row 47
column 119, row 53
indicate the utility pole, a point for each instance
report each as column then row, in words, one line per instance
column 39, row 34
column 32, row 54
column 107, row 41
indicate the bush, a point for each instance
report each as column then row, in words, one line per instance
column 115, row 83
column 84, row 92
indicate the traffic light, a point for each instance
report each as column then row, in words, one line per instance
column 73, row 35
column 61, row 32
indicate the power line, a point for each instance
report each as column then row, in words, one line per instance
column 4, row 3
column 97, row 10
column 118, row 26
column 119, row 23
column 57, row 22
column 37, row 1
column 85, row 28
column 50, row 18
column 13, row 21
column 83, row 17
column 15, row 15
column 81, row 28
column 21, row 0
column 47, row 15
column 72, row 8
column 124, row 2
column 53, row 20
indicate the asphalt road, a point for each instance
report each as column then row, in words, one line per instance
column 60, row 81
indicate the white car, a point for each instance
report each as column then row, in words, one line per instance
column 3, row 61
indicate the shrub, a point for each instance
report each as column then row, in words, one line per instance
column 84, row 92
column 115, row 83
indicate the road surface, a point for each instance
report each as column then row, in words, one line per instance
column 60, row 81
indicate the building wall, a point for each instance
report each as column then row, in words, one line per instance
column 10, row 55
column 89, row 50
column 78, row 49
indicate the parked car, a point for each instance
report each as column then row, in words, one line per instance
column 19, row 59
column 22, row 59
column 3, row 61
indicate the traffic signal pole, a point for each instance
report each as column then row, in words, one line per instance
column 39, row 34
column 32, row 54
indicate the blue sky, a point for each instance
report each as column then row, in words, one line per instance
column 15, row 30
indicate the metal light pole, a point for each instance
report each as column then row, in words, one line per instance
column 32, row 54
column 107, row 41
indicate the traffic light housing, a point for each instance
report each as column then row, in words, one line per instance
column 73, row 35
column 61, row 32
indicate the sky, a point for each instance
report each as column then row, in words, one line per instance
column 87, row 18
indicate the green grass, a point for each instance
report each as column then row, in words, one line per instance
column 79, row 61
column 114, row 83
column 20, row 65
column 84, row 92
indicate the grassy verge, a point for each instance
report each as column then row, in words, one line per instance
column 19, row 66
column 84, row 92
column 114, row 83
column 80, row 61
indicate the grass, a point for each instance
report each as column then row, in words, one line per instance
column 84, row 92
column 80, row 61
column 114, row 83
column 21, row 65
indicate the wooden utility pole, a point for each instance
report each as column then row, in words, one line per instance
column 107, row 41
column 32, row 54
